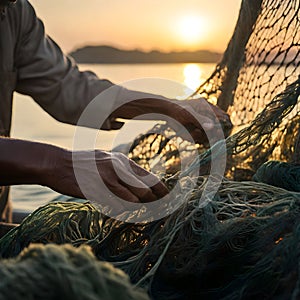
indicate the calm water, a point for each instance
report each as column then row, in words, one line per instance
column 32, row 123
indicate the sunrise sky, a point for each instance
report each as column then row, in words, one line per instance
column 143, row 24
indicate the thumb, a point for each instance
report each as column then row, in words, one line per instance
column 115, row 125
column 112, row 124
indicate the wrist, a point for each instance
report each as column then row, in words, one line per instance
column 132, row 104
column 51, row 162
column 24, row 162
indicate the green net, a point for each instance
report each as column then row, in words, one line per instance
column 258, row 73
column 245, row 242
column 63, row 272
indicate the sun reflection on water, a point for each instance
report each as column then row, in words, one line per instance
column 192, row 76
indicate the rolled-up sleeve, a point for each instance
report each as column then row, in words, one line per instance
column 51, row 78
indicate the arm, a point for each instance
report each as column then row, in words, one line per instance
column 199, row 117
column 23, row 162
column 47, row 75
column 54, row 81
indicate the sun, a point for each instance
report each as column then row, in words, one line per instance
column 191, row 28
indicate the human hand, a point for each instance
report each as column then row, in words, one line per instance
column 121, row 178
column 213, row 120
column 197, row 116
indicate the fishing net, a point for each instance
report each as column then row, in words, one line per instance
column 259, row 72
column 244, row 243
column 63, row 272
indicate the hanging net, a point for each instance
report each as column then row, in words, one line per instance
column 245, row 242
column 259, row 72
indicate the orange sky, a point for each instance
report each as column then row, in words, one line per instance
column 142, row 24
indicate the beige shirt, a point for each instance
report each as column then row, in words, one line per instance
column 32, row 63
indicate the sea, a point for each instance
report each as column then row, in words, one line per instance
column 30, row 122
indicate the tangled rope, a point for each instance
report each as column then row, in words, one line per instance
column 242, row 244
column 245, row 242
column 63, row 272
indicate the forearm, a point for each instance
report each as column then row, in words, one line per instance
column 24, row 162
column 131, row 104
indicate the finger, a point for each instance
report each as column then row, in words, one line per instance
column 142, row 187
column 124, row 193
column 111, row 125
column 115, row 125
column 158, row 188
column 221, row 115
column 147, row 186
column 199, row 136
column 200, row 120
column 128, row 178
column 144, row 194
column 213, row 111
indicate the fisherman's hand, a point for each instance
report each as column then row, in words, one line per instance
column 202, row 118
column 197, row 116
column 96, row 175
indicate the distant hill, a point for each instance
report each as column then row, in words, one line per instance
column 111, row 55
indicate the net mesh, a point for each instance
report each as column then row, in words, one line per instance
column 63, row 272
column 258, row 73
column 244, row 243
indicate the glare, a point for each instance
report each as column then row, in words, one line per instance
column 192, row 76
column 191, row 28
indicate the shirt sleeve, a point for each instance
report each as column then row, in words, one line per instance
column 51, row 78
